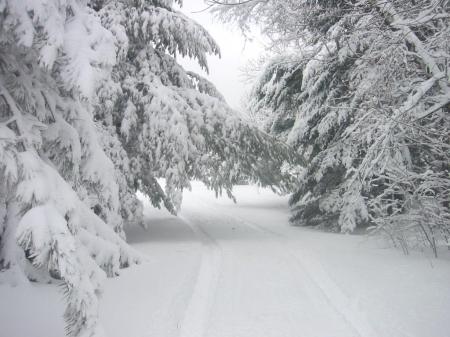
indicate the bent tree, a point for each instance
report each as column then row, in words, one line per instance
column 361, row 88
column 93, row 107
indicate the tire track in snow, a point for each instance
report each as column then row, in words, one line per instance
column 316, row 272
column 196, row 318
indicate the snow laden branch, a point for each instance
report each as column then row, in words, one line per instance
column 43, row 234
column 177, row 125
column 424, row 55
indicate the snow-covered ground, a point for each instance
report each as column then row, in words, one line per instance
column 224, row 269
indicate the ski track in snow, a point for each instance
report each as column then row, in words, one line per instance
column 196, row 317
column 318, row 275
column 255, row 282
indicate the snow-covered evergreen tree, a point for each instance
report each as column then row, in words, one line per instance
column 54, row 172
column 174, row 124
column 362, row 91
column 93, row 106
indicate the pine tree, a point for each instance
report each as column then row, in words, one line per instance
column 54, row 171
column 176, row 125
column 94, row 107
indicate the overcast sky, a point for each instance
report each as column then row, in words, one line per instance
column 223, row 72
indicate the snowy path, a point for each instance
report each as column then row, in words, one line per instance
column 260, row 283
column 240, row 270
column 200, row 304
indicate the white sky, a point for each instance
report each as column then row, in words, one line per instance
column 224, row 72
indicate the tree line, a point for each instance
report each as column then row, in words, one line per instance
column 361, row 89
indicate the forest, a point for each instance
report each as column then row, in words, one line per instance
column 349, row 115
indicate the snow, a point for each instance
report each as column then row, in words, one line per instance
column 225, row 269
column 90, row 51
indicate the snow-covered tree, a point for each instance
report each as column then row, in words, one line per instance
column 175, row 124
column 362, row 91
column 54, row 171
column 93, row 106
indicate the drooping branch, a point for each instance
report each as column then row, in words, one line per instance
column 400, row 23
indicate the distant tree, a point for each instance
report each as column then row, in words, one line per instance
column 362, row 90
column 93, row 106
